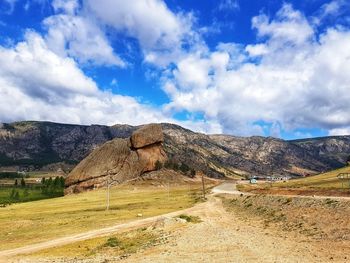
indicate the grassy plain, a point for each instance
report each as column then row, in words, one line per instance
column 32, row 222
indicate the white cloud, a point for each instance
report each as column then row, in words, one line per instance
column 333, row 8
column 77, row 36
column 80, row 31
column 340, row 131
column 149, row 21
column 292, row 78
column 256, row 50
column 289, row 26
column 298, row 81
column 160, row 32
column 37, row 84
column 66, row 6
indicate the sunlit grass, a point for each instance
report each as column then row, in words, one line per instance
column 32, row 222
column 113, row 245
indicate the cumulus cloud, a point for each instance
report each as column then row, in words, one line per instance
column 292, row 78
column 289, row 26
column 67, row 6
column 38, row 84
column 79, row 29
column 332, row 8
column 160, row 32
column 78, row 36
column 298, row 81
column 340, row 131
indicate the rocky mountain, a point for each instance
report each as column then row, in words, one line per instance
column 38, row 144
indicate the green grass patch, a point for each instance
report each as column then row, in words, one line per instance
column 9, row 195
column 190, row 219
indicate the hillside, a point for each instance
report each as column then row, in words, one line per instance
column 35, row 145
column 328, row 180
column 324, row 184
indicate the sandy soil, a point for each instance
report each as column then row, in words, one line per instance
column 225, row 237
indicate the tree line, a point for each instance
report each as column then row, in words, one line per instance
column 48, row 188
column 176, row 166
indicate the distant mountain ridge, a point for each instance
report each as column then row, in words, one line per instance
column 31, row 143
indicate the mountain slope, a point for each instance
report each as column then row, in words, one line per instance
column 36, row 144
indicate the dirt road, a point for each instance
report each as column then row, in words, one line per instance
column 224, row 237
column 227, row 188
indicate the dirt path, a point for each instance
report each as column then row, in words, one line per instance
column 5, row 254
column 227, row 188
column 224, row 237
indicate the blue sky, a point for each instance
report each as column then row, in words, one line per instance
column 271, row 68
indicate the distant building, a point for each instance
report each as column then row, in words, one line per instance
column 278, row 178
column 253, row 180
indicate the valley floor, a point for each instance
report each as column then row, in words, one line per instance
column 231, row 231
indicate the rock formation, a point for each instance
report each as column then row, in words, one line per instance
column 119, row 160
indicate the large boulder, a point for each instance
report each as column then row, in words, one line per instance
column 149, row 156
column 118, row 161
column 147, row 135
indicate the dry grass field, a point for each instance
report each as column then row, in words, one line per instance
column 323, row 184
column 33, row 222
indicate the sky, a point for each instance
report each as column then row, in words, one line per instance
column 241, row 67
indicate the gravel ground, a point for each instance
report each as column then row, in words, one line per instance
column 226, row 237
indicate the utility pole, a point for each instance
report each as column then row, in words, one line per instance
column 203, row 186
column 108, row 190
column 168, row 191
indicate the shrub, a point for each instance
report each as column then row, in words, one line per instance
column 190, row 219
column 8, row 175
column 193, row 173
column 158, row 165
column 23, row 183
column 112, row 242
column 184, row 168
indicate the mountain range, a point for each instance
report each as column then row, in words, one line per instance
column 39, row 145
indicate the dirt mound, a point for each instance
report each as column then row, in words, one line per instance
column 118, row 161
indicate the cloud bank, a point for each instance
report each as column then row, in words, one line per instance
column 294, row 77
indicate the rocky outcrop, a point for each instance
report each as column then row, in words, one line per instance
column 119, row 160
column 147, row 135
